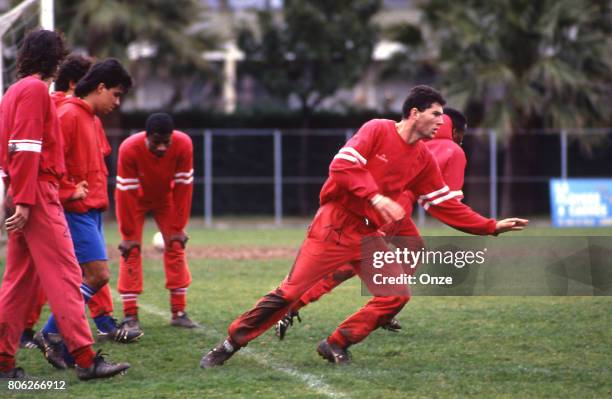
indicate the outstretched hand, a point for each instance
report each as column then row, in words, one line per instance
column 510, row 224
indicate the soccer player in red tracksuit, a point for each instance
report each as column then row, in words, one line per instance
column 154, row 174
column 366, row 178
column 73, row 68
column 446, row 149
column 40, row 251
column 84, row 194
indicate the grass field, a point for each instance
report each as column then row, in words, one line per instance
column 450, row 346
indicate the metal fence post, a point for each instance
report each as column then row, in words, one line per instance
column 208, row 198
column 278, row 178
column 493, row 174
column 563, row 154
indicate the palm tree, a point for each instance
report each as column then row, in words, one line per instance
column 170, row 31
column 523, row 64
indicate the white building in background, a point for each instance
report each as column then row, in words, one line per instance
column 232, row 91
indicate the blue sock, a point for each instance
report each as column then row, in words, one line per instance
column 51, row 326
column 87, row 292
column 105, row 323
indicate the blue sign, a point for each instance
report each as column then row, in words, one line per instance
column 581, row 202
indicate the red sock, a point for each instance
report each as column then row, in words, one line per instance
column 130, row 305
column 7, row 362
column 338, row 339
column 84, row 356
column 178, row 300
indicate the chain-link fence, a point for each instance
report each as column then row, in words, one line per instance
column 278, row 173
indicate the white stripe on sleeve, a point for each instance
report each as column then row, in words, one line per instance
column 184, row 174
column 438, row 200
column 31, row 147
column 125, row 180
column 127, row 187
column 346, row 157
column 434, row 193
column 355, row 153
column 184, row 181
column 25, row 141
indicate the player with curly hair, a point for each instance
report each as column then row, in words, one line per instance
column 40, row 252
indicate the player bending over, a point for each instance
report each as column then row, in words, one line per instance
column 154, row 174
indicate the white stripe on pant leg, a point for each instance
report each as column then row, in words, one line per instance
column 313, row 382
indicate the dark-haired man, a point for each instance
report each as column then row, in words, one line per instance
column 366, row 177
column 84, row 195
column 71, row 70
column 154, row 174
column 40, row 252
column 447, row 151
column 74, row 67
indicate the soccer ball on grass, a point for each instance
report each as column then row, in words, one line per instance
column 158, row 241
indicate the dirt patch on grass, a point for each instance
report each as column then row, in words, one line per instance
column 220, row 252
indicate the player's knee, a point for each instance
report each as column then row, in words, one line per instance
column 103, row 278
column 174, row 248
column 98, row 281
column 96, row 274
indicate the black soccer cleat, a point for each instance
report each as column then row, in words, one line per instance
column 16, row 373
column 101, row 369
column 393, row 325
column 218, row 355
column 333, row 353
column 124, row 333
column 283, row 324
column 182, row 320
column 131, row 323
column 52, row 348
column 27, row 339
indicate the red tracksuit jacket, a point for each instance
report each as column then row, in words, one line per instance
column 31, row 145
column 378, row 161
column 449, row 155
column 85, row 146
column 144, row 179
column 59, row 98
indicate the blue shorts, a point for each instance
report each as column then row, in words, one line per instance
column 87, row 235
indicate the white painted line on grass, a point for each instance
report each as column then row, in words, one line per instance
column 313, row 382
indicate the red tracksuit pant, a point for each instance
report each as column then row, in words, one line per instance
column 42, row 255
column 335, row 238
column 175, row 263
column 99, row 304
column 324, row 286
column 410, row 239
